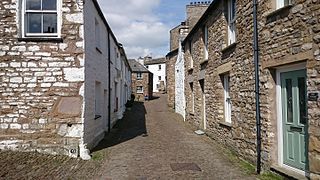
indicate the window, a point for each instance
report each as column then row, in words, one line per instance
column 190, row 51
column 159, row 77
column 283, row 3
column 205, row 41
column 97, row 33
column 139, row 75
column 97, row 100
column 159, row 67
column 192, row 99
column 227, row 100
column 231, row 21
column 140, row 89
column 40, row 18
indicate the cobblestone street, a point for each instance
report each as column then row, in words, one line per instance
column 149, row 143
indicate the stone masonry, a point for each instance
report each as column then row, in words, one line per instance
column 288, row 36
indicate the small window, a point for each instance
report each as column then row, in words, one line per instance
column 205, row 41
column 192, row 99
column 97, row 100
column 190, row 51
column 40, row 18
column 97, row 33
column 227, row 100
column 231, row 21
column 139, row 75
column 147, row 67
column 159, row 67
column 283, row 3
column 159, row 77
column 140, row 89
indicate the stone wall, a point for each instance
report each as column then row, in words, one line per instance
column 146, row 82
column 195, row 11
column 287, row 36
column 170, row 71
column 41, row 84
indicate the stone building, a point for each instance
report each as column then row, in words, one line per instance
column 158, row 68
column 219, row 81
column 57, row 58
column 177, row 35
column 142, row 81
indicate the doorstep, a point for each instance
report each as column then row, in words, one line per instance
column 287, row 172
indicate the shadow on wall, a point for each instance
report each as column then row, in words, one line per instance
column 132, row 125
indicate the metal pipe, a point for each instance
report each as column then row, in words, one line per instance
column 109, row 82
column 257, row 83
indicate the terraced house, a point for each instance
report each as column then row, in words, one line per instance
column 220, row 81
column 64, row 77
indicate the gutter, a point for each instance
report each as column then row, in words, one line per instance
column 257, row 83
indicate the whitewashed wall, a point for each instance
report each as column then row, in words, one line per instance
column 154, row 68
column 179, row 83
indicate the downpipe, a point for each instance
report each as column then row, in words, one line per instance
column 257, row 83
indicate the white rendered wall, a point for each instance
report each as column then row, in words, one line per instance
column 154, row 68
column 179, row 84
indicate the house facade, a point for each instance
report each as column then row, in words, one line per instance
column 220, row 81
column 158, row 68
column 56, row 64
column 142, row 81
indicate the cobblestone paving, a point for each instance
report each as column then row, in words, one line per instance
column 161, row 148
column 148, row 143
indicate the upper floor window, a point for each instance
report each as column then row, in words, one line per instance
column 159, row 77
column 40, row 18
column 140, row 89
column 190, row 51
column 205, row 41
column 283, row 3
column 159, row 67
column 139, row 75
column 231, row 21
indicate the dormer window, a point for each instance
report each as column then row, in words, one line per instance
column 40, row 18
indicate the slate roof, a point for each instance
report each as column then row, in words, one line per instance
column 155, row 61
column 137, row 67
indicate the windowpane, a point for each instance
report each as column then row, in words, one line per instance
column 302, row 99
column 34, row 23
column 49, row 4
column 289, row 101
column 49, row 23
column 33, row 4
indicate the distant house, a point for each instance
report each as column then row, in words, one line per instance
column 63, row 76
column 158, row 68
column 142, row 81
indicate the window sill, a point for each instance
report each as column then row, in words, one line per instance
column 41, row 39
column 229, row 48
column 204, row 61
column 278, row 13
column 97, row 117
column 98, row 49
column 226, row 124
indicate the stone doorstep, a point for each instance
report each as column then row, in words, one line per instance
column 286, row 172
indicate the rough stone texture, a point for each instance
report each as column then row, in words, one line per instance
column 194, row 12
column 287, row 36
column 170, row 71
column 146, row 82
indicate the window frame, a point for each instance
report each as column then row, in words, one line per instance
column 191, row 51
column 232, row 21
column 140, row 91
column 159, row 77
column 139, row 75
column 281, row 3
column 226, row 98
column 159, row 67
column 23, row 23
column 205, row 42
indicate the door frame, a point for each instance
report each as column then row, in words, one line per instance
column 280, row 70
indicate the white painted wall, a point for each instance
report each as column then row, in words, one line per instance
column 154, row 68
column 179, row 83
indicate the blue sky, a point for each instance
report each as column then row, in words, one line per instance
column 143, row 26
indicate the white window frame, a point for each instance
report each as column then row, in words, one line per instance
column 190, row 51
column 40, row 35
column 281, row 3
column 227, row 100
column 231, row 22
column 139, row 75
column 139, row 91
column 205, row 41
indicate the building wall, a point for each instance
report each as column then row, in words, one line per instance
column 170, row 71
column 287, row 37
column 195, row 11
column 154, row 69
column 179, row 84
column 145, row 82
column 40, row 82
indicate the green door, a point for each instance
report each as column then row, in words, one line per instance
column 294, row 116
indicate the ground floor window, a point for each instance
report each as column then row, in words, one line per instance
column 140, row 89
column 227, row 100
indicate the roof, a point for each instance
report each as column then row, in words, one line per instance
column 137, row 67
column 155, row 61
column 172, row 53
column 201, row 21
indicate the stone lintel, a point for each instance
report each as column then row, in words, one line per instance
column 224, row 68
column 304, row 56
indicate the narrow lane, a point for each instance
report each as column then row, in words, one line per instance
column 153, row 143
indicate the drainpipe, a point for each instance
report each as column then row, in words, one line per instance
column 257, row 83
column 109, row 82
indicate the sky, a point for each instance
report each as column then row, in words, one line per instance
column 143, row 26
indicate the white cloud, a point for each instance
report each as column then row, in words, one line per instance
column 136, row 26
